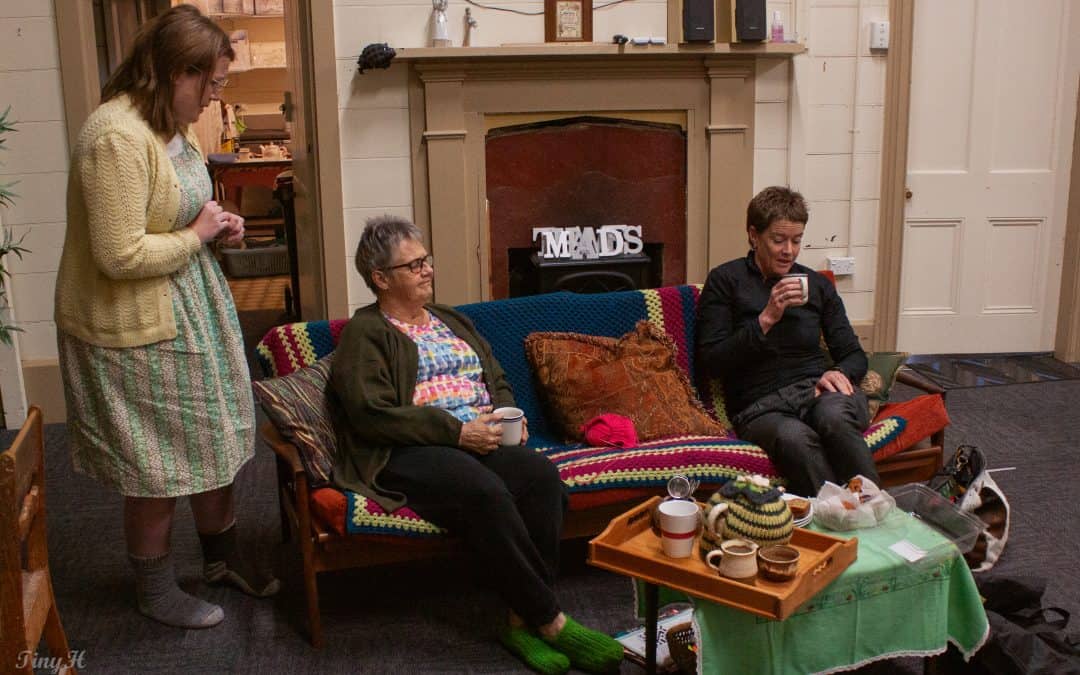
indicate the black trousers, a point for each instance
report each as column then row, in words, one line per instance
column 508, row 506
column 811, row 439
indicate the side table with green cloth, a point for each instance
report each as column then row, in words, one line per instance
column 880, row 607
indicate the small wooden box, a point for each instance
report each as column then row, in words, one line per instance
column 629, row 546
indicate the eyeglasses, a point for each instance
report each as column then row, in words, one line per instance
column 217, row 84
column 415, row 266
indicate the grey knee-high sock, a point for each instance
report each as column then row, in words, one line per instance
column 160, row 598
column 225, row 563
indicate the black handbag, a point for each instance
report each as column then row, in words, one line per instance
column 965, row 481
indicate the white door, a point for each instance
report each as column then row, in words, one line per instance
column 993, row 89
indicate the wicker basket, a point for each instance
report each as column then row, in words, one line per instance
column 256, row 262
column 682, row 647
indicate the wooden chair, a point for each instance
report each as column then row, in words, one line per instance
column 27, row 603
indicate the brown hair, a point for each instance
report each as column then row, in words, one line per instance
column 180, row 40
column 773, row 204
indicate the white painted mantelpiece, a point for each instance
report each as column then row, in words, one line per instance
column 457, row 95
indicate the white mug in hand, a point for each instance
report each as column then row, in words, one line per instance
column 804, row 286
column 512, row 424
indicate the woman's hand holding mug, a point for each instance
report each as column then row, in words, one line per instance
column 787, row 292
column 481, row 435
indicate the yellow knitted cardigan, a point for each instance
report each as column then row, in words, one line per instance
column 123, row 197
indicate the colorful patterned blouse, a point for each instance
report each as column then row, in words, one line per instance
column 449, row 375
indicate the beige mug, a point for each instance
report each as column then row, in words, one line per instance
column 737, row 559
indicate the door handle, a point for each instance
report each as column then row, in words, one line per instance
column 287, row 107
column 908, row 194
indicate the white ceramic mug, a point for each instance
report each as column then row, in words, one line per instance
column 680, row 522
column 737, row 559
column 804, row 284
column 512, row 424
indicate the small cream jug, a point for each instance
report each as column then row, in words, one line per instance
column 735, row 559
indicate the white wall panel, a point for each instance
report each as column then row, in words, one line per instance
column 829, row 80
column 869, row 123
column 828, row 177
column 1023, row 133
column 1010, row 279
column 376, row 182
column 28, row 43
column 770, row 126
column 39, row 197
column 770, row 168
column 828, row 226
column 772, row 79
column 834, row 31
column 38, row 94
column 370, row 133
column 930, row 283
column 938, row 135
column 828, row 129
column 864, row 222
column 21, row 8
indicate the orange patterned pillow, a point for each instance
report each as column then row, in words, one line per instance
column 582, row 376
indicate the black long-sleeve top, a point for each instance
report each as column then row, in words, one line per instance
column 732, row 346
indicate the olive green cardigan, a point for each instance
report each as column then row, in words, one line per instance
column 373, row 377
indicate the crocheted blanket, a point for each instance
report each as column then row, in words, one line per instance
column 594, row 475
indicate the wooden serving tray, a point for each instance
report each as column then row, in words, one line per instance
column 628, row 546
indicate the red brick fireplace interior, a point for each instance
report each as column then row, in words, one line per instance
column 586, row 172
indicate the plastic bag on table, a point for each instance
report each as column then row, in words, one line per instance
column 858, row 505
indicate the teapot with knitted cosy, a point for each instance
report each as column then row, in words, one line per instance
column 750, row 508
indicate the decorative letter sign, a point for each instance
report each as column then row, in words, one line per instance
column 576, row 243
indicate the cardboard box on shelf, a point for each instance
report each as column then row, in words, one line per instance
column 268, row 55
column 238, row 40
column 270, row 7
column 238, row 6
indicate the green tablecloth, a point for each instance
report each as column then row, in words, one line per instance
column 879, row 607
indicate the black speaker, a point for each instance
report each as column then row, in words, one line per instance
column 698, row 21
column 750, row 22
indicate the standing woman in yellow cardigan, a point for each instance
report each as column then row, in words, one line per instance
column 157, row 387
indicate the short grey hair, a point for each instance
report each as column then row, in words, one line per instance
column 381, row 237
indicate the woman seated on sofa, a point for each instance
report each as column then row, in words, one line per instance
column 755, row 333
column 416, row 385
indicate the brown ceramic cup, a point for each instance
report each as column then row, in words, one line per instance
column 778, row 563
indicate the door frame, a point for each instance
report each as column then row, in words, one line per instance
column 893, row 201
column 79, row 72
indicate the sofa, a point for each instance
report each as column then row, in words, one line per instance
column 336, row 530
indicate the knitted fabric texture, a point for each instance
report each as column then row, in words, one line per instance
column 537, row 654
column 754, row 513
column 112, row 288
column 610, row 429
column 594, row 475
column 589, row 650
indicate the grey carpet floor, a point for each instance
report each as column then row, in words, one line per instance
column 433, row 616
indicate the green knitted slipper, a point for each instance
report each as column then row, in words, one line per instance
column 536, row 653
column 588, row 649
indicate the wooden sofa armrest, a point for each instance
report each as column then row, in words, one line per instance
column 909, row 377
column 284, row 449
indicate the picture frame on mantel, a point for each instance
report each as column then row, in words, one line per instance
column 568, row 20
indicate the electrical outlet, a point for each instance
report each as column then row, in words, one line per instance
column 879, row 35
column 841, row 265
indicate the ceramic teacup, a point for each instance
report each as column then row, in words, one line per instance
column 512, row 424
column 680, row 523
column 804, row 285
column 778, row 563
column 734, row 559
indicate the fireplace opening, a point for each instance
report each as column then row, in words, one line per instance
column 531, row 274
column 585, row 172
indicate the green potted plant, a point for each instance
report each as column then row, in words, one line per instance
column 8, row 243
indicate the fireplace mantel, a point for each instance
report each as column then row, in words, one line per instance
column 455, row 93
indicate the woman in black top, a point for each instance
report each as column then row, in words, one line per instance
column 755, row 334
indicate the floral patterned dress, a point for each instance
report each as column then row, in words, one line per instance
column 175, row 417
